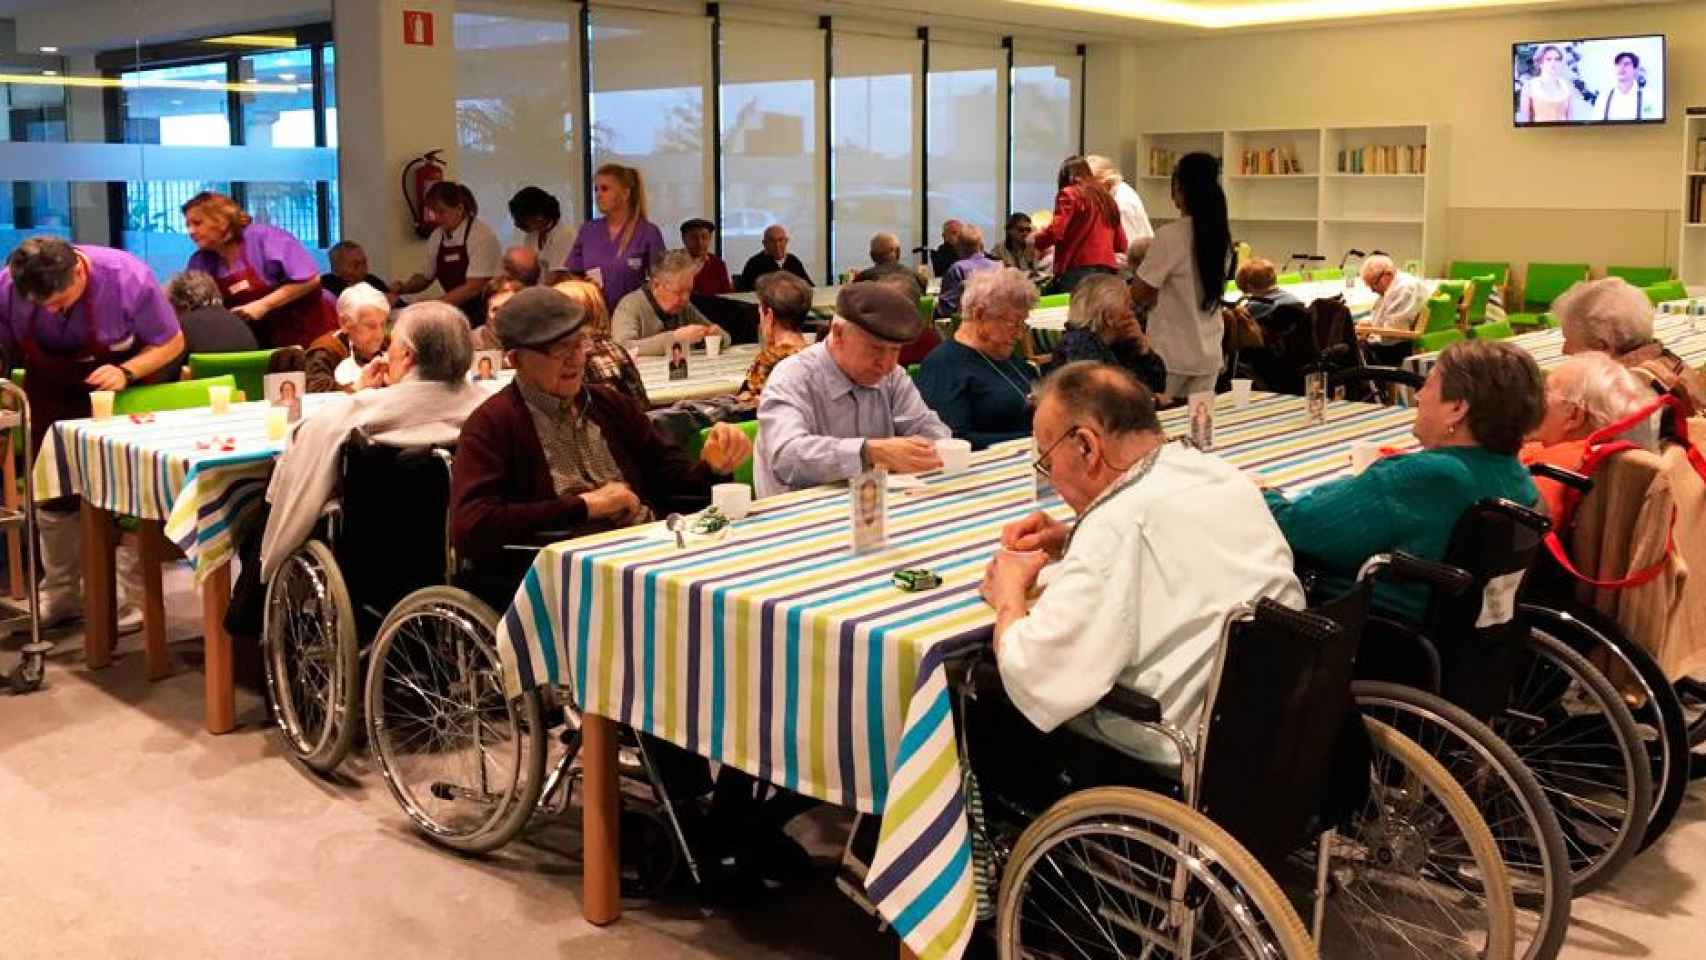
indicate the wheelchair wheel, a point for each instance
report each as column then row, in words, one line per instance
column 464, row 761
column 1416, row 873
column 1656, row 708
column 1507, row 796
column 1571, row 728
column 312, row 657
column 1116, row 872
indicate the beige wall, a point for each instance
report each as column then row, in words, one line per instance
column 1604, row 195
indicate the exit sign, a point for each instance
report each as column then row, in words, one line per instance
column 417, row 28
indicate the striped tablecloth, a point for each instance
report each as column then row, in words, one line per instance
column 780, row 653
column 1360, row 300
column 706, row 376
column 1683, row 335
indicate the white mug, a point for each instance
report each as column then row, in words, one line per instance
column 955, row 454
column 713, row 345
column 732, row 500
column 1363, row 455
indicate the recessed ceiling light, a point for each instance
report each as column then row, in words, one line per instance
column 49, row 49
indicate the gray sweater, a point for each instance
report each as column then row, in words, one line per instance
column 638, row 324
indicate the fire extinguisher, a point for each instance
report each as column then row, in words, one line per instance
column 419, row 175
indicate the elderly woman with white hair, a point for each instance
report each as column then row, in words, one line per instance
column 1584, row 394
column 661, row 313
column 1101, row 326
column 351, row 357
column 1614, row 317
column 972, row 381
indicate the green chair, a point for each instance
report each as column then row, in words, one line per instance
column 177, row 395
column 1455, row 289
column 743, row 473
column 1054, row 300
column 1287, row 279
column 1232, row 287
column 1470, row 269
column 249, row 367
column 1640, row 276
column 1496, row 330
column 912, row 370
column 1442, row 329
column 1332, row 273
column 1668, row 290
column 1530, row 322
column 1545, row 283
column 1481, row 291
column 927, row 308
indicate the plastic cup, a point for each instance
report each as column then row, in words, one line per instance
column 713, row 345
column 1241, row 392
column 732, row 500
column 1363, row 455
column 278, row 421
column 955, row 454
column 219, row 398
column 101, row 404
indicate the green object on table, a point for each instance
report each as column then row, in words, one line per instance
column 1668, row 290
column 1287, row 279
column 1332, row 273
column 249, row 367
column 1497, row 330
column 1232, row 287
column 178, row 395
column 1640, row 276
column 912, row 370
column 926, row 308
column 1470, row 269
column 1482, row 288
column 1054, row 300
column 1546, row 282
column 743, row 472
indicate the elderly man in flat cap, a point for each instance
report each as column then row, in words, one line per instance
column 843, row 405
column 551, row 457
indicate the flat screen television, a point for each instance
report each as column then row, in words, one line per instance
column 1607, row 80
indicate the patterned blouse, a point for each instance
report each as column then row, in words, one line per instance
column 608, row 363
column 762, row 364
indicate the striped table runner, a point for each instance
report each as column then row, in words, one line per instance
column 780, row 653
column 1683, row 335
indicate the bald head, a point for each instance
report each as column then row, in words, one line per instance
column 951, row 231
column 522, row 263
column 885, row 248
column 776, row 241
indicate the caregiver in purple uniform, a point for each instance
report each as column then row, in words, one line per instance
column 615, row 251
column 265, row 275
column 81, row 318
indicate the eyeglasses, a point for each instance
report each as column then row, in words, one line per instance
column 1041, row 464
column 564, row 350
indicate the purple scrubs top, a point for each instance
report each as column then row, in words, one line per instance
column 273, row 253
column 622, row 275
column 123, row 297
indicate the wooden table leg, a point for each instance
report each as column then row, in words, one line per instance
column 220, row 692
column 100, row 613
column 601, row 897
column 151, row 548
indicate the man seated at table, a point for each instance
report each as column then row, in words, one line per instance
column 356, row 347
column 712, row 276
column 425, row 400
column 551, row 457
column 972, row 260
column 773, row 257
column 1166, row 542
column 1400, row 314
column 885, row 262
column 522, row 263
column 948, row 253
column 661, row 313
column 349, row 267
column 844, row 405
column 1614, row 317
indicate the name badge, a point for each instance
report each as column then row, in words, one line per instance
column 451, row 257
column 240, row 286
column 634, row 263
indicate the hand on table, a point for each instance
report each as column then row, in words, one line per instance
column 1008, row 579
column 1036, row 532
column 691, row 333
column 107, row 377
column 252, row 311
column 613, row 501
column 903, row 454
column 725, row 448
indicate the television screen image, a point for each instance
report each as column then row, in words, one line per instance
column 1605, row 81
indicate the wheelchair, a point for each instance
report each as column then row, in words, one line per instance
column 1285, row 779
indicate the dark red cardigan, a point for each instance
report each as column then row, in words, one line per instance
column 501, row 492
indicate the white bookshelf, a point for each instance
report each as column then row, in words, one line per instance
column 1314, row 208
column 1692, row 259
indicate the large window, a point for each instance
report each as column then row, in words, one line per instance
column 1045, row 124
column 876, row 175
column 651, row 76
column 772, row 85
column 518, row 103
column 33, row 114
column 965, row 136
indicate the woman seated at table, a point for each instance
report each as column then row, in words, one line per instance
column 1101, row 325
column 352, row 357
column 497, row 293
column 208, row 326
column 661, row 313
column 1614, row 317
column 608, row 363
column 1479, row 402
column 784, row 302
column 972, row 381
column 1585, row 393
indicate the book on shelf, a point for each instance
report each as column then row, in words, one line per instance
column 1384, row 159
column 1700, row 154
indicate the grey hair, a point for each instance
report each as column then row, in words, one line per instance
column 193, row 290
column 438, row 335
column 1378, row 263
column 995, row 289
column 1602, row 387
column 882, row 245
column 1102, row 168
column 673, row 264
column 358, row 295
column 1608, row 314
column 1095, row 302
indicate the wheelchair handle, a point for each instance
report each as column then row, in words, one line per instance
column 1403, row 567
column 1569, row 478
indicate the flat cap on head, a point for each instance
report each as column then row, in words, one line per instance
column 879, row 310
column 535, row 317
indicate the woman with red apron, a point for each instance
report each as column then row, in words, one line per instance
column 264, row 274
column 462, row 253
column 81, row 318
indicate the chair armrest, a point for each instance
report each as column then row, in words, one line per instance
column 1568, row 478
column 1134, row 706
column 1401, row 567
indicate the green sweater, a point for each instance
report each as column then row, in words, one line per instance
column 1409, row 503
